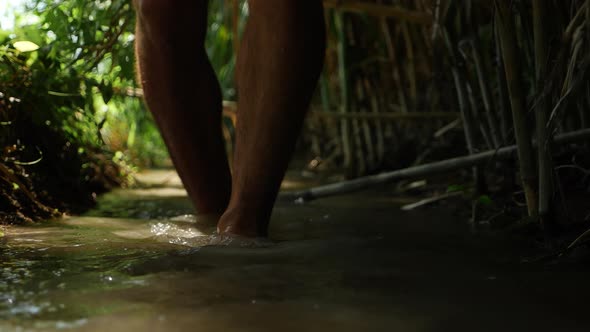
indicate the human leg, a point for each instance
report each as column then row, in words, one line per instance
column 279, row 63
column 184, row 96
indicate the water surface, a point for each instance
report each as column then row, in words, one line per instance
column 351, row 263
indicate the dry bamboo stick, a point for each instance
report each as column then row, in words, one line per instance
column 344, row 88
column 420, row 171
column 466, row 116
column 485, row 94
column 503, row 101
column 394, row 65
column 366, row 127
column 476, row 116
column 380, row 145
column 360, row 162
column 517, row 99
column 410, row 64
column 540, row 25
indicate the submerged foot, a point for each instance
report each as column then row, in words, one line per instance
column 238, row 241
column 241, row 224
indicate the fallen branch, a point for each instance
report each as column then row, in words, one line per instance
column 422, row 170
column 427, row 201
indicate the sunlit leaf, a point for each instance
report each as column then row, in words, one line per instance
column 25, row 46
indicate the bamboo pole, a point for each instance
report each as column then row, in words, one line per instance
column 388, row 116
column 540, row 24
column 517, row 100
column 485, row 94
column 344, row 89
column 325, row 97
column 360, row 163
column 503, row 100
column 466, row 116
column 476, row 115
column 410, row 64
column 380, row 10
column 393, row 63
column 380, row 145
column 366, row 128
column 481, row 158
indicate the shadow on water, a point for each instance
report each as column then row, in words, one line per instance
column 353, row 263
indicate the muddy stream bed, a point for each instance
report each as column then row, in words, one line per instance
column 139, row 262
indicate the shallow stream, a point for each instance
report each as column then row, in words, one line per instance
column 354, row 263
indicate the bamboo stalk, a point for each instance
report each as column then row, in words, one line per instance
column 466, row 117
column 366, row 128
column 360, row 161
column 410, row 63
column 485, row 94
column 345, row 90
column 379, row 10
column 475, row 115
column 452, row 164
column 503, row 100
column 325, row 97
column 540, row 24
column 393, row 62
column 517, row 100
column 380, row 144
column 388, row 116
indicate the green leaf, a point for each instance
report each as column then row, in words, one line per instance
column 485, row 200
column 25, row 46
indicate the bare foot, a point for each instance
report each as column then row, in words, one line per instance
column 237, row 241
column 234, row 223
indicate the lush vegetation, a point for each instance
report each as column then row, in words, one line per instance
column 405, row 83
column 72, row 123
column 411, row 82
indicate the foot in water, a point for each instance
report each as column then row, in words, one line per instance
column 226, row 238
column 238, row 241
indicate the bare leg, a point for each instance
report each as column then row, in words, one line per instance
column 183, row 94
column 280, row 61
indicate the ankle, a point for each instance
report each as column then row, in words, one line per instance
column 243, row 222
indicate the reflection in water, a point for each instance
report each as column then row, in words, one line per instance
column 348, row 264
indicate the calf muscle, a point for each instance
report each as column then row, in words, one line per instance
column 280, row 61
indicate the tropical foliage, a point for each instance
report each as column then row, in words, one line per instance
column 405, row 82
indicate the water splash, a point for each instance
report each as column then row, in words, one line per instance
column 236, row 241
